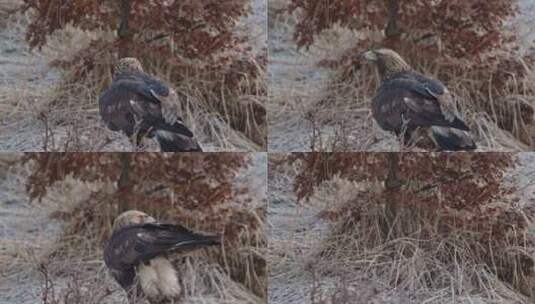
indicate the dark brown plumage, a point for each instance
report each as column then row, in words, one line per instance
column 141, row 106
column 407, row 100
column 136, row 255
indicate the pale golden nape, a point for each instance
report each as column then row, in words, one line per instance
column 388, row 62
column 391, row 54
column 128, row 64
column 131, row 217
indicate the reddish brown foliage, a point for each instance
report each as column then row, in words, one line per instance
column 197, row 187
column 198, row 28
column 194, row 40
column 197, row 190
column 463, row 40
column 465, row 29
column 460, row 187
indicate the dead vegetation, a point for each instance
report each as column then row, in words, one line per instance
column 51, row 104
column 63, row 263
column 335, row 248
column 320, row 96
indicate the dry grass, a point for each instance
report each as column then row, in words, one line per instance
column 349, row 261
column 42, row 111
column 314, row 108
column 54, row 249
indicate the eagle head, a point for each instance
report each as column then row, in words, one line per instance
column 128, row 64
column 132, row 217
column 388, row 61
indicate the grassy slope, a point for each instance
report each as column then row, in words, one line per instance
column 27, row 86
column 298, row 84
column 299, row 273
column 29, row 234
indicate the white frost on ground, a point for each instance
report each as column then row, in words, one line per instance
column 290, row 74
column 525, row 23
column 28, row 233
column 294, row 228
column 25, row 230
column 22, row 74
column 522, row 177
column 254, row 25
column 27, row 78
column 255, row 175
column 297, row 83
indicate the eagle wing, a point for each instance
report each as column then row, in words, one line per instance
column 405, row 99
column 134, row 244
column 115, row 108
column 165, row 96
column 440, row 92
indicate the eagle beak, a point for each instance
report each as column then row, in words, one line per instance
column 369, row 55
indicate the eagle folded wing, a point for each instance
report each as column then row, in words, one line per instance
column 429, row 100
column 168, row 105
column 450, row 139
column 148, row 106
column 113, row 112
column 136, row 243
column 440, row 92
column 407, row 100
column 413, row 95
column 165, row 96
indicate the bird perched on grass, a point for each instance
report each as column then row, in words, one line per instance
column 136, row 255
column 408, row 102
column 142, row 106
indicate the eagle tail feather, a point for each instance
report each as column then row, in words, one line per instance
column 449, row 139
column 197, row 240
column 186, row 241
column 174, row 142
column 459, row 124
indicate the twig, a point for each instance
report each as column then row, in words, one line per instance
column 442, row 182
column 157, row 37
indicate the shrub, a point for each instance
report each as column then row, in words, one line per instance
column 197, row 190
column 468, row 44
column 191, row 42
column 431, row 210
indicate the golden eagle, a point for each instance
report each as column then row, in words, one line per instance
column 140, row 105
column 136, row 255
column 407, row 102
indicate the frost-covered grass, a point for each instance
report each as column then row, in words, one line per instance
column 300, row 120
column 317, row 261
column 34, row 246
column 32, row 119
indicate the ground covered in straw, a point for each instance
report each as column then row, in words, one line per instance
column 39, row 263
column 299, row 118
column 317, row 261
column 32, row 119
